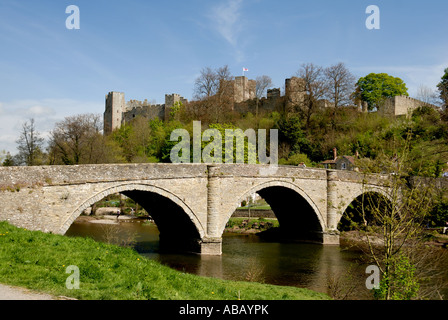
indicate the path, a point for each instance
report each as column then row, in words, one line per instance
column 16, row 293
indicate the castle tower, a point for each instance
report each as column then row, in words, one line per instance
column 113, row 115
column 294, row 92
column 244, row 89
column 170, row 100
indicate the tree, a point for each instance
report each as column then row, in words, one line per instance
column 315, row 87
column 393, row 222
column 375, row 88
column 427, row 95
column 340, row 84
column 78, row 140
column 8, row 161
column 209, row 81
column 262, row 84
column 291, row 136
column 29, row 145
column 443, row 88
column 214, row 90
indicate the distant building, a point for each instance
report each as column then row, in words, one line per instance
column 340, row 162
column 241, row 90
column 118, row 111
column 402, row 105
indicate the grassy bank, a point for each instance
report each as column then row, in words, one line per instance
column 38, row 261
column 250, row 225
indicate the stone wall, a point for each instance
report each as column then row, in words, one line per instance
column 243, row 89
column 294, row 92
column 138, row 109
column 188, row 201
column 402, row 105
column 118, row 111
column 113, row 114
column 254, row 213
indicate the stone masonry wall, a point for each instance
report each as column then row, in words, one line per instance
column 401, row 105
column 50, row 198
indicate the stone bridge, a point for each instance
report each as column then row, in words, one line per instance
column 190, row 203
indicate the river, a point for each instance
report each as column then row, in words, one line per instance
column 335, row 270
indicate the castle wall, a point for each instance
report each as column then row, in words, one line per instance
column 113, row 115
column 147, row 111
column 401, row 105
column 265, row 105
column 170, row 100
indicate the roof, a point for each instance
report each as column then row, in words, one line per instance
column 349, row 158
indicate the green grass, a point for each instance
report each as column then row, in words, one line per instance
column 256, row 207
column 262, row 223
column 38, row 261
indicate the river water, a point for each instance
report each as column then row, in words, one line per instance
column 249, row 258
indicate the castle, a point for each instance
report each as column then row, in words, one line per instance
column 118, row 111
column 242, row 92
column 402, row 105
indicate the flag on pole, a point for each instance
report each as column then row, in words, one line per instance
column 245, row 69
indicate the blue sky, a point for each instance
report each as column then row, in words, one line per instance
column 149, row 48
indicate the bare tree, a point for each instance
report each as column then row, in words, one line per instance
column 77, row 140
column 427, row 95
column 209, row 81
column 206, row 84
column 262, row 84
column 393, row 223
column 340, row 84
column 29, row 145
column 223, row 73
column 315, row 87
column 214, row 90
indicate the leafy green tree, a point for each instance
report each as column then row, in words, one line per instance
column 400, row 281
column 443, row 88
column 290, row 132
column 376, row 87
column 7, row 160
column 396, row 218
column 296, row 159
column 228, row 131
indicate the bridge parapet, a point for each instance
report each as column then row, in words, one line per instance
column 201, row 197
column 62, row 175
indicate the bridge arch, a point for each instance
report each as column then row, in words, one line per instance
column 306, row 223
column 176, row 221
column 349, row 213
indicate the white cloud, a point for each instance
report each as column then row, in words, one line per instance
column 225, row 18
column 39, row 111
column 45, row 112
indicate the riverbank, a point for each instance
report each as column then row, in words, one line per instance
column 356, row 238
column 109, row 272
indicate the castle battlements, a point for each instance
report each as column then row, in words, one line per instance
column 402, row 105
column 242, row 93
column 118, row 111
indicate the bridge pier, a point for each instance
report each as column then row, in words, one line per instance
column 330, row 237
column 331, row 234
column 212, row 243
column 211, row 246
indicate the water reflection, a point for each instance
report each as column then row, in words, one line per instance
column 249, row 258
